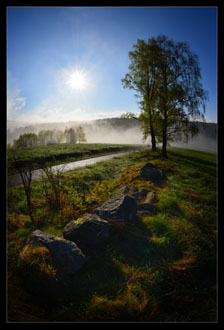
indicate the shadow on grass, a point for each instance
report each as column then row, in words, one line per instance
column 208, row 166
column 106, row 269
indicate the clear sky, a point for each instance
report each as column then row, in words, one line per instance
column 66, row 63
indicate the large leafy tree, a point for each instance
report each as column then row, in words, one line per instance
column 181, row 96
column 167, row 78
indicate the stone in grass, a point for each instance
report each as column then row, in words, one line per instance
column 140, row 194
column 118, row 208
column 146, row 207
column 123, row 190
column 151, row 173
column 66, row 255
column 91, row 230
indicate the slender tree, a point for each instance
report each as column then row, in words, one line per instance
column 80, row 134
column 142, row 78
column 180, row 92
column 25, row 173
column 70, row 135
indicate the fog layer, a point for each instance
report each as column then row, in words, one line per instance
column 117, row 130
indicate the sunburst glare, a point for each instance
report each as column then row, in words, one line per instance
column 77, row 80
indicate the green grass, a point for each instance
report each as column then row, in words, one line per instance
column 159, row 268
column 58, row 154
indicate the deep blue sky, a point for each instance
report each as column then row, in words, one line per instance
column 46, row 44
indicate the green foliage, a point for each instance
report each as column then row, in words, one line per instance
column 49, row 137
column 26, row 140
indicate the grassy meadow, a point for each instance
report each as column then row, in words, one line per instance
column 159, row 268
column 58, row 153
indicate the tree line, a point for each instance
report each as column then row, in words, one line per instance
column 166, row 78
column 55, row 136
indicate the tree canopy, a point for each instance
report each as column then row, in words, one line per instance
column 167, row 78
column 54, row 136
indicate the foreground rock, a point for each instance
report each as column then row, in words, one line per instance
column 123, row 190
column 151, row 173
column 66, row 255
column 118, row 208
column 91, row 230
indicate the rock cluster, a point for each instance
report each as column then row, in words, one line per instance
column 93, row 229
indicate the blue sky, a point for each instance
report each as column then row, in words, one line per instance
column 46, row 45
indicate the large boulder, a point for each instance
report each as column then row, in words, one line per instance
column 118, row 208
column 90, row 230
column 151, row 173
column 66, row 255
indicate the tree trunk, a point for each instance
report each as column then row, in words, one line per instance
column 27, row 179
column 153, row 138
column 164, row 153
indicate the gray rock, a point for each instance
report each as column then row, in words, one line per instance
column 151, row 173
column 123, row 190
column 118, row 208
column 146, row 207
column 140, row 194
column 91, row 230
column 66, row 255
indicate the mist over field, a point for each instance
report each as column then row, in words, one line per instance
column 117, row 130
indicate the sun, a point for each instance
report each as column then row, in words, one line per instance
column 77, row 80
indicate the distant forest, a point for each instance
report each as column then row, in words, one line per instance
column 109, row 130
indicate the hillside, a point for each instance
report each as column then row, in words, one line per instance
column 116, row 130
